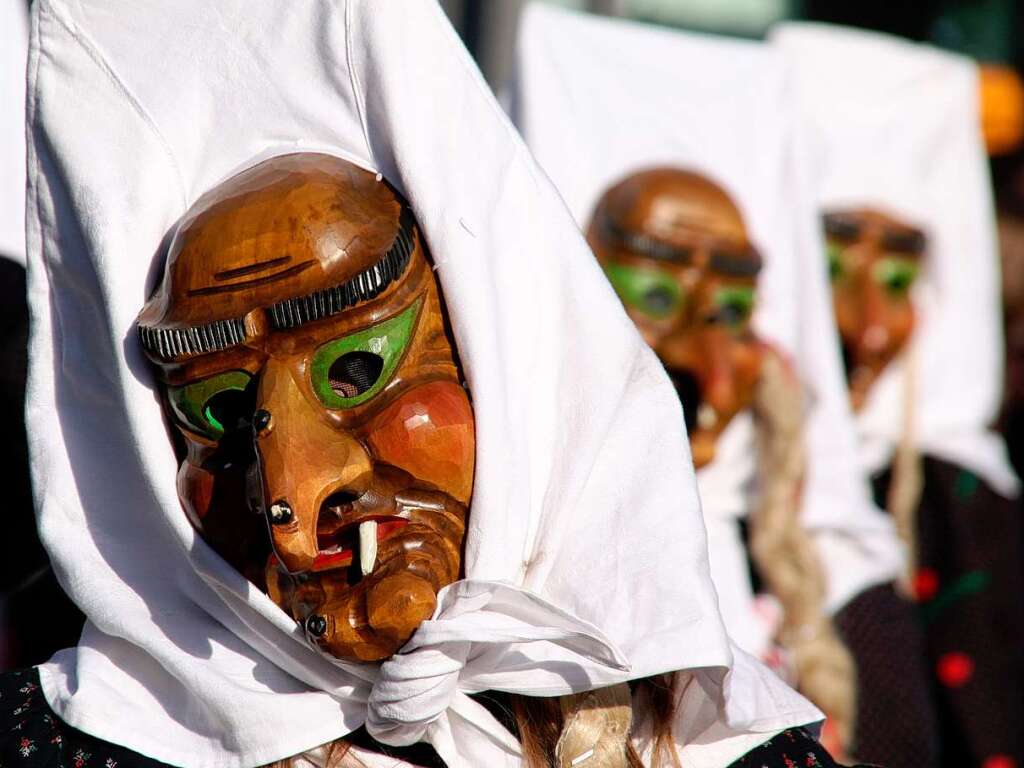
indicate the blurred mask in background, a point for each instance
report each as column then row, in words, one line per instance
column 675, row 247
column 873, row 260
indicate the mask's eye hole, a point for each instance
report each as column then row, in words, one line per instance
column 651, row 291
column 215, row 406
column 355, row 372
column 733, row 306
column 896, row 274
column 658, row 300
column 347, row 372
column 228, row 410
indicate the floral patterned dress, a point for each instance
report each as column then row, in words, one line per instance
column 794, row 748
column 32, row 736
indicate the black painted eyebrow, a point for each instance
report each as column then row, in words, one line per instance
column 645, row 245
column 838, row 225
column 168, row 344
column 737, row 263
column 903, row 241
column 745, row 264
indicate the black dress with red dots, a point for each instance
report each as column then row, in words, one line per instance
column 897, row 723
column 32, row 736
column 969, row 589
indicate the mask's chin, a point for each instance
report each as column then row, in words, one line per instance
column 377, row 575
column 688, row 389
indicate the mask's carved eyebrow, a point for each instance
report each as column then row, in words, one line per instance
column 904, row 241
column 645, row 245
column 175, row 343
column 166, row 344
column 736, row 263
column 841, row 226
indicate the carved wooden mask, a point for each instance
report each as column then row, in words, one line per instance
column 676, row 250
column 873, row 261
column 327, row 442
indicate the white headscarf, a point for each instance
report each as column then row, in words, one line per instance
column 585, row 556
column 13, row 53
column 598, row 99
column 895, row 125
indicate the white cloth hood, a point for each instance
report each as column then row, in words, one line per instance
column 894, row 124
column 584, row 501
column 13, row 56
column 598, row 99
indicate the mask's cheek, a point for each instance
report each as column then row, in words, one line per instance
column 901, row 324
column 429, row 432
column 216, row 506
column 195, row 491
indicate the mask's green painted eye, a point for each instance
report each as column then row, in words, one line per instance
column 834, row 251
column 895, row 273
column 651, row 291
column 213, row 406
column 733, row 305
column 349, row 371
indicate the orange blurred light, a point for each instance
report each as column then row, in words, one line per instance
column 1002, row 108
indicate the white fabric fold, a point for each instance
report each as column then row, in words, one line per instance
column 597, row 99
column 894, row 125
column 584, row 504
column 474, row 643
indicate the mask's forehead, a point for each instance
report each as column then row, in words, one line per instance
column 664, row 213
column 675, row 203
column 285, row 228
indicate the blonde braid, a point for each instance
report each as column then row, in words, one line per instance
column 907, row 478
column 785, row 555
column 596, row 729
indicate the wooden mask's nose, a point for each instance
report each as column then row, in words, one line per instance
column 304, row 458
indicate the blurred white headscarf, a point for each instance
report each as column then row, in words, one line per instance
column 896, row 125
column 598, row 99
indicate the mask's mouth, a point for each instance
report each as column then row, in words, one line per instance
column 355, row 541
column 860, row 375
column 849, row 361
column 348, row 533
column 382, row 554
column 688, row 389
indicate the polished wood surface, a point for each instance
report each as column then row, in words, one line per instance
column 330, row 461
column 280, row 229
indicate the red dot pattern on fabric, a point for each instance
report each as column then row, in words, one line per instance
column 926, row 584
column 999, row 761
column 955, row 669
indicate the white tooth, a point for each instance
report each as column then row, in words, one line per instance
column 707, row 418
column 367, row 546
